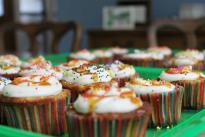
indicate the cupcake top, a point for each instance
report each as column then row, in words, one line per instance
column 33, row 86
column 139, row 54
column 121, row 70
column 10, row 60
column 37, row 62
column 180, row 73
column 9, row 69
column 3, row 83
column 117, row 50
column 142, row 86
column 102, row 53
column 183, row 61
column 107, row 100
column 87, row 74
column 73, row 64
column 83, row 54
column 162, row 49
column 54, row 71
column 191, row 53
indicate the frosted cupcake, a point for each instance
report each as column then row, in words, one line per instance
column 193, row 83
column 83, row 54
column 144, row 58
column 122, row 72
column 9, row 66
column 164, row 97
column 167, row 52
column 118, row 52
column 38, row 61
column 36, row 70
column 73, row 64
column 35, row 103
column 103, row 56
column 108, row 112
column 80, row 79
column 192, row 58
column 3, row 83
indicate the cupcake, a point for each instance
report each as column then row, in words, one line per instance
column 35, row 103
column 108, row 112
column 55, row 71
column 167, row 52
column 192, row 58
column 118, row 52
column 193, row 83
column 80, row 79
column 3, row 82
column 73, row 64
column 9, row 66
column 164, row 97
column 83, row 54
column 38, row 61
column 144, row 58
column 122, row 72
column 103, row 56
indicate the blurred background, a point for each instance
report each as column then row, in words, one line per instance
column 100, row 23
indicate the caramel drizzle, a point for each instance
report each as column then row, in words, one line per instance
column 43, row 81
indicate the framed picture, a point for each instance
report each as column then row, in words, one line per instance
column 124, row 17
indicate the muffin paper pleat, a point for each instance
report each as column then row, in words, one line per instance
column 100, row 127
column 166, row 107
column 48, row 118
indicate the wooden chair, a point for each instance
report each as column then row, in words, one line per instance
column 188, row 27
column 58, row 30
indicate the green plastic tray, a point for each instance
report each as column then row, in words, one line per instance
column 192, row 123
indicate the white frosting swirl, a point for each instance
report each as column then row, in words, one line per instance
column 9, row 69
column 195, row 54
column 73, row 64
column 150, row 86
column 112, row 104
column 178, row 77
column 54, row 71
column 86, row 74
column 33, row 86
column 163, row 50
column 139, row 54
column 3, row 82
column 102, row 54
column 83, row 54
column 184, row 61
column 10, row 60
column 120, row 70
column 39, row 62
column 103, row 100
column 117, row 50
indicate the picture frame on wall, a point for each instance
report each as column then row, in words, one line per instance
column 124, row 17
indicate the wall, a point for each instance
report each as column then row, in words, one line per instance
column 89, row 12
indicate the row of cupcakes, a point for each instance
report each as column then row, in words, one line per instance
column 152, row 57
column 99, row 97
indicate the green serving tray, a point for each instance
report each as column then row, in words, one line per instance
column 192, row 123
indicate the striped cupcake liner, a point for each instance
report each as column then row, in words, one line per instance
column 166, row 107
column 46, row 118
column 92, row 126
column 194, row 94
